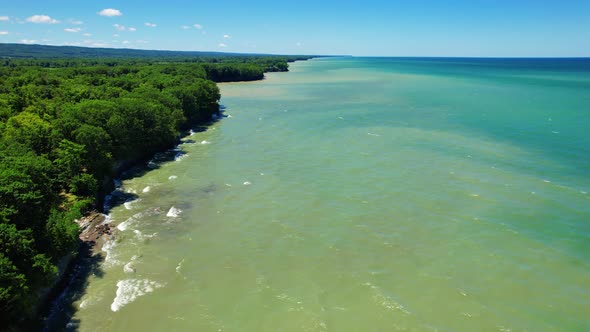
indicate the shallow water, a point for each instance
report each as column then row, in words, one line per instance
column 365, row 195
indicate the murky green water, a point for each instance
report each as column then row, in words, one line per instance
column 365, row 195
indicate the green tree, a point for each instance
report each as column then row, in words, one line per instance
column 22, row 270
column 30, row 130
column 25, row 189
column 69, row 161
column 62, row 232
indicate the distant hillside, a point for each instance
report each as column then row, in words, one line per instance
column 46, row 51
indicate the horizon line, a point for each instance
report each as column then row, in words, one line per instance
column 312, row 55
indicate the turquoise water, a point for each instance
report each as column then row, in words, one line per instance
column 361, row 194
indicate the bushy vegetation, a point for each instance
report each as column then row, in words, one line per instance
column 65, row 124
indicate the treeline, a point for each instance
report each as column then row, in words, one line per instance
column 223, row 69
column 64, row 127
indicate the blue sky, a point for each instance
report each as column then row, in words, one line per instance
column 363, row 28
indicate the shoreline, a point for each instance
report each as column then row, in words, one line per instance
column 95, row 230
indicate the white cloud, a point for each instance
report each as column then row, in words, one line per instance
column 198, row 26
column 226, row 36
column 76, row 22
column 185, row 27
column 87, row 34
column 151, row 25
column 4, row 18
column 142, row 41
column 298, row 44
column 222, row 45
column 72, row 30
column 125, row 42
column 110, row 12
column 41, row 19
column 116, row 35
column 28, row 41
column 2, row 33
column 120, row 27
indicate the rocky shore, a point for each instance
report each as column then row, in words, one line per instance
column 94, row 232
column 93, row 229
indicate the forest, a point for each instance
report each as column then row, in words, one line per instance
column 66, row 127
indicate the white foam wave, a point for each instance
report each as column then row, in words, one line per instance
column 146, row 189
column 137, row 217
column 179, row 156
column 89, row 301
column 205, row 142
column 172, row 177
column 129, row 268
column 109, row 247
column 129, row 203
column 179, row 266
column 247, row 183
column 107, row 219
column 173, row 212
column 142, row 237
column 84, row 304
column 129, row 290
column 125, row 224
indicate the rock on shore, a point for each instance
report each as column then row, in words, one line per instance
column 94, row 230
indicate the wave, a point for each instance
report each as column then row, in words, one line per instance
column 129, row 268
column 130, row 202
column 179, row 156
column 173, row 212
column 109, row 249
column 129, row 290
column 144, row 237
column 125, row 224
